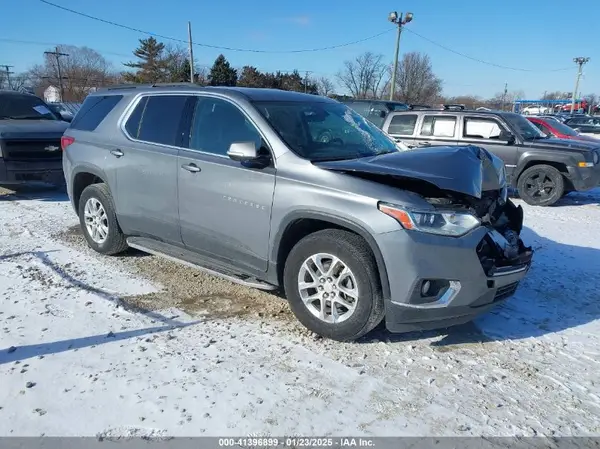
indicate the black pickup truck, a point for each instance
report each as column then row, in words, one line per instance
column 30, row 136
column 543, row 169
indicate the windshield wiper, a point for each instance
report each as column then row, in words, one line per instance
column 26, row 117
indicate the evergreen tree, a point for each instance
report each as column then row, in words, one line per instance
column 180, row 73
column 152, row 65
column 222, row 74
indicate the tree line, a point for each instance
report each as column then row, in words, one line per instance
column 368, row 76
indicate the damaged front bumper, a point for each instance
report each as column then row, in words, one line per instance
column 437, row 281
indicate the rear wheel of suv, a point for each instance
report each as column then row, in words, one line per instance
column 332, row 285
column 541, row 185
column 99, row 221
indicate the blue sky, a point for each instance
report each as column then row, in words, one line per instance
column 534, row 35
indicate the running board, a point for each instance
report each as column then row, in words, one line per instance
column 192, row 260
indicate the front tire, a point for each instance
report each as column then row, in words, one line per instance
column 541, row 185
column 332, row 285
column 98, row 220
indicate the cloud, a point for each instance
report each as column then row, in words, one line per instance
column 298, row 20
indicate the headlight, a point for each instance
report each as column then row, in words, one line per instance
column 596, row 158
column 448, row 223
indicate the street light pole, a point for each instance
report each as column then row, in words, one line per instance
column 400, row 22
column 580, row 62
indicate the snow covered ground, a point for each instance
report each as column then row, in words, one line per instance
column 92, row 345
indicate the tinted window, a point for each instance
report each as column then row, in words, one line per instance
column 438, row 126
column 297, row 122
column 217, row 124
column 23, row 107
column 403, row 124
column 362, row 107
column 161, row 119
column 133, row 122
column 540, row 126
column 93, row 111
column 482, row 128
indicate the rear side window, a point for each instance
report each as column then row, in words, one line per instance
column 438, row 126
column 157, row 119
column 93, row 110
column 403, row 124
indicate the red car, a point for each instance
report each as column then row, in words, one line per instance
column 559, row 130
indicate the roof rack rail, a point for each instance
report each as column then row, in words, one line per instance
column 146, row 85
column 415, row 107
column 460, row 107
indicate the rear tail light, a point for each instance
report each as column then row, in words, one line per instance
column 65, row 141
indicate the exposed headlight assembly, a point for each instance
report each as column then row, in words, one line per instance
column 450, row 223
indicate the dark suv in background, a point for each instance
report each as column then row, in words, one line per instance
column 375, row 110
column 543, row 169
column 29, row 140
column 236, row 182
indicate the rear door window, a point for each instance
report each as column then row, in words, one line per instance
column 93, row 111
column 158, row 119
column 403, row 124
column 438, row 126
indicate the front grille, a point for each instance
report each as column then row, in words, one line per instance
column 27, row 150
column 505, row 291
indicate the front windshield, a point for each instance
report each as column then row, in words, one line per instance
column 23, row 107
column 524, row 127
column 321, row 131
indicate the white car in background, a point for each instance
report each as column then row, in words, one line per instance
column 536, row 110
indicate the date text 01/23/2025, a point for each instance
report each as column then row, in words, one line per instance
column 294, row 442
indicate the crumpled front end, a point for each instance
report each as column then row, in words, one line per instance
column 439, row 280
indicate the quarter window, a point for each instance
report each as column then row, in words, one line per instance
column 217, row 124
column 403, row 125
column 95, row 108
column 438, row 126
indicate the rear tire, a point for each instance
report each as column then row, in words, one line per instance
column 98, row 220
column 541, row 185
column 353, row 301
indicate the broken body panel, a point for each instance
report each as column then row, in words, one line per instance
column 466, row 178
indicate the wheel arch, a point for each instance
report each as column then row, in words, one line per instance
column 83, row 177
column 299, row 224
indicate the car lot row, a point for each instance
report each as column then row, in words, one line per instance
column 282, row 190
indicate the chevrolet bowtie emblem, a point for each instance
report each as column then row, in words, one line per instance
column 51, row 148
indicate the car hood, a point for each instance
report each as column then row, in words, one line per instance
column 32, row 129
column 563, row 144
column 593, row 140
column 470, row 170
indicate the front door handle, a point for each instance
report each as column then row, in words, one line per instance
column 191, row 168
column 116, row 153
column 424, row 144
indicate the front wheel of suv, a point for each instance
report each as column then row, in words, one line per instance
column 98, row 220
column 332, row 285
column 541, row 185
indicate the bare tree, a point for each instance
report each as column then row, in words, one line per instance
column 363, row 77
column 325, row 86
column 505, row 101
column 83, row 70
column 415, row 81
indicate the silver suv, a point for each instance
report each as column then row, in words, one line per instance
column 237, row 183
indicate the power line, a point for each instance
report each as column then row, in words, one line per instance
column 481, row 60
column 218, row 47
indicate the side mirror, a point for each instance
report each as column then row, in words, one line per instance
column 507, row 137
column 243, row 152
column 66, row 116
column 577, row 130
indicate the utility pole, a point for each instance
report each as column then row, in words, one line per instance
column 57, row 55
column 306, row 82
column 8, row 73
column 580, row 62
column 400, row 22
column 504, row 95
column 191, row 53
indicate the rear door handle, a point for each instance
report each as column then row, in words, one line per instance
column 116, row 153
column 191, row 168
